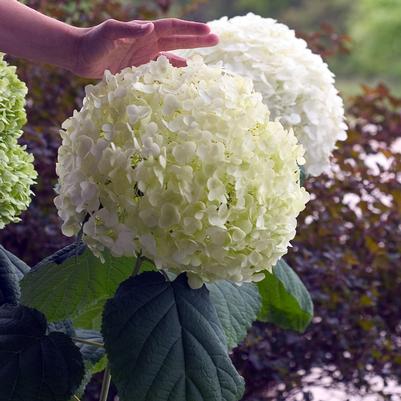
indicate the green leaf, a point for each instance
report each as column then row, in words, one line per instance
column 74, row 284
column 93, row 356
column 285, row 300
column 12, row 270
column 35, row 366
column 100, row 365
column 148, row 266
column 91, row 317
column 164, row 342
column 237, row 308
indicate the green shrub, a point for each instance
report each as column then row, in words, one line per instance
column 375, row 26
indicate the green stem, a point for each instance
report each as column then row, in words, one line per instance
column 75, row 398
column 88, row 342
column 80, row 235
column 105, row 384
column 138, row 263
column 81, row 230
column 165, row 275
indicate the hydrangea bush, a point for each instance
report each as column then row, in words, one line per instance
column 167, row 162
column 296, row 84
column 183, row 195
column 17, row 173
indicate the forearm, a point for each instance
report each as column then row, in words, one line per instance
column 28, row 34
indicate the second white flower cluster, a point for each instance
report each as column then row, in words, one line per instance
column 186, row 165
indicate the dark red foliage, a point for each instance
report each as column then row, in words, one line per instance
column 326, row 41
column 348, row 252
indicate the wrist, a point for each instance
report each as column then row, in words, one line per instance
column 73, row 41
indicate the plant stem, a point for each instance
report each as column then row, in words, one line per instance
column 76, row 398
column 88, row 342
column 138, row 264
column 105, row 384
column 79, row 235
column 81, row 230
column 165, row 275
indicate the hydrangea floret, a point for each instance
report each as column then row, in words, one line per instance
column 17, row 172
column 296, row 84
column 184, row 166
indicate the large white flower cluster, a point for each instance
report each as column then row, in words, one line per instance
column 17, row 173
column 296, row 84
column 184, row 166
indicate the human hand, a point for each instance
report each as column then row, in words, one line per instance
column 114, row 45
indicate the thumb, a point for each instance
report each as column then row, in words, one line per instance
column 118, row 29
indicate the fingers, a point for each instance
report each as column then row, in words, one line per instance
column 173, row 26
column 118, row 29
column 187, row 42
column 174, row 60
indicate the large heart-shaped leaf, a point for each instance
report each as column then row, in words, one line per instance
column 285, row 300
column 12, row 270
column 91, row 317
column 74, row 284
column 237, row 308
column 93, row 355
column 35, row 366
column 164, row 342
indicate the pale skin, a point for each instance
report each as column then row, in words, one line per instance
column 88, row 52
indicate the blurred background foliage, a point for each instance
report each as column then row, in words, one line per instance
column 348, row 246
column 380, row 21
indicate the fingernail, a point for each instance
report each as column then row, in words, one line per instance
column 206, row 28
column 214, row 38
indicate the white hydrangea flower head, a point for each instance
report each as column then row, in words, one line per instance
column 184, row 166
column 17, row 174
column 296, row 85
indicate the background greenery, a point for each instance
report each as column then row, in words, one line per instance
column 348, row 247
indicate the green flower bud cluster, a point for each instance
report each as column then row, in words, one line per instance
column 17, row 172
